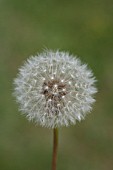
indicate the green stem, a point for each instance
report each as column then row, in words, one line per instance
column 55, row 148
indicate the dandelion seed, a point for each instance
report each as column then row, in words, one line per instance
column 54, row 89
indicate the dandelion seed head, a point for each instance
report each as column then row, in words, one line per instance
column 54, row 89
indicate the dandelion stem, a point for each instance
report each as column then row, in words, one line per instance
column 55, row 148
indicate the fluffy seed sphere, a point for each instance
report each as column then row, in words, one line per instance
column 54, row 89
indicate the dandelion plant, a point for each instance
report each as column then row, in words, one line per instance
column 55, row 89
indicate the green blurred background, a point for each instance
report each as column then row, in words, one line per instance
column 83, row 27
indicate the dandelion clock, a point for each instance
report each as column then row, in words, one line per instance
column 54, row 89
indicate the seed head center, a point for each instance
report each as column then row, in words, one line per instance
column 54, row 90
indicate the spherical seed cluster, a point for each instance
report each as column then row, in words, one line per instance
column 54, row 89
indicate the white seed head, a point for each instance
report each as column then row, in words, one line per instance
column 54, row 89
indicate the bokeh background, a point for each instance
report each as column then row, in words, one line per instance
column 84, row 28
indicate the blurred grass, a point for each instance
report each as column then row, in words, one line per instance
column 84, row 28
